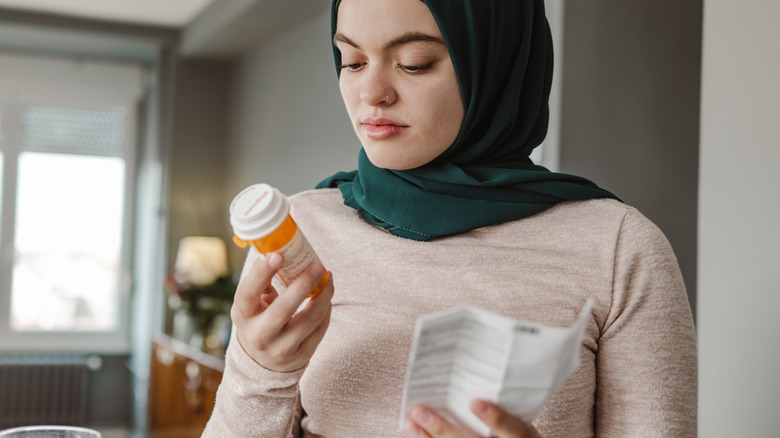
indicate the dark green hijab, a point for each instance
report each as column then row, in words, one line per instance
column 503, row 58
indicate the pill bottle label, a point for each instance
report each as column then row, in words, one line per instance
column 297, row 255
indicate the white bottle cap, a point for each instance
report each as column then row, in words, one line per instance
column 257, row 211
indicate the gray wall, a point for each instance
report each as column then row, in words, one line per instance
column 198, row 202
column 630, row 118
column 739, row 206
column 289, row 126
column 110, row 395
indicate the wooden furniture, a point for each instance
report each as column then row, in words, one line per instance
column 182, row 390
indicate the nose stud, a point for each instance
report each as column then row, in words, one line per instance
column 376, row 100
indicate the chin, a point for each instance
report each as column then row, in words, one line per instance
column 394, row 155
column 389, row 163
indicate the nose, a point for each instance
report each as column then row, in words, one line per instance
column 377, row 87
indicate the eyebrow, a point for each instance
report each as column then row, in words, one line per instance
column 406, row 38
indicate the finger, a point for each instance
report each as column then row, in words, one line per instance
column 286, row 305
column 307, row 327
column 248, row 300
column 240, row 313
column 291, row 347
column 502, row 423
column 412, row 430
column 437, row 426
column 269, row 297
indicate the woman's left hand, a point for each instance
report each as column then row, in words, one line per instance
column 425, row 423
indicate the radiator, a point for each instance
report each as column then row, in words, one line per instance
column 43, row 388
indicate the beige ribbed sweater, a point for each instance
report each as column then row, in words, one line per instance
column 638, row 372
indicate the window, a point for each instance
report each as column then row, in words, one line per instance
column 67, row 148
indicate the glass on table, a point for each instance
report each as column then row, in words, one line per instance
column 49, row 432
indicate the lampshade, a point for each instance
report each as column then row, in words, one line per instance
column 201, row 260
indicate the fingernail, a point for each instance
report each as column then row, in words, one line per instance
column 317, row 270
column 274, row 261
column 480, row 407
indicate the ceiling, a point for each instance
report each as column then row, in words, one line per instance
column 208, row 28
column 169, row 13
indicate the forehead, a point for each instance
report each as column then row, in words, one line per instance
column 380, row 20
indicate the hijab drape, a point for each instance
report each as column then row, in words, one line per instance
column 503, row 58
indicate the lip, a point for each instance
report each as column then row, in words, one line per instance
column 382, row 128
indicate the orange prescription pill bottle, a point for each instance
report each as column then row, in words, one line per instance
column 260, row 216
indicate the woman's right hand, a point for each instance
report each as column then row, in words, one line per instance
column 267, row 325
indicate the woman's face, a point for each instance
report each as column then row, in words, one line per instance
column 397, row 81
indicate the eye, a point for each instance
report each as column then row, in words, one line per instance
column 415, row 69
column 352, row 67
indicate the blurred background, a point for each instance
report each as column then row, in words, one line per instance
column 126, row 128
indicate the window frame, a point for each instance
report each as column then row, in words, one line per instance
column 72, row 84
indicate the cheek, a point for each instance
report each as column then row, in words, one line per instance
column 348, row 93
column 444, row 110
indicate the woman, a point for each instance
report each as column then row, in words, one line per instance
column 448, row 98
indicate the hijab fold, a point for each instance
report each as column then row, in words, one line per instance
column 502, row 54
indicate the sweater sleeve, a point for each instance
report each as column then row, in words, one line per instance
column 253, row 401
column 646, row 363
